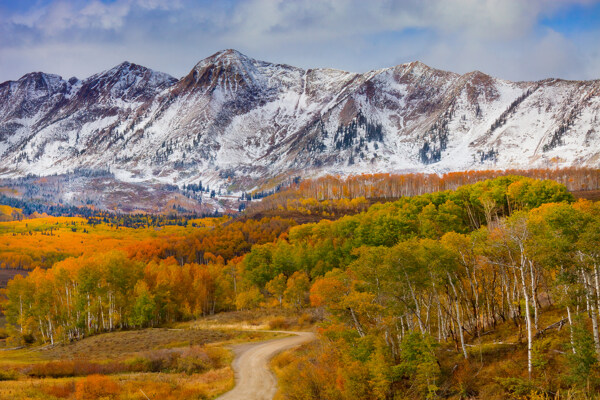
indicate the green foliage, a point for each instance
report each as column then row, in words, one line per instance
column 540, row 358
column 583, row 364
column 296, row 293
column 8, row 375
column 258, row 265
column 144, row 306
column 517, row 388
column 419, row 364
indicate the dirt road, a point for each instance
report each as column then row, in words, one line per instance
column 254, row 380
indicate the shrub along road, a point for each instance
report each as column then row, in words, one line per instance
column 254, row 380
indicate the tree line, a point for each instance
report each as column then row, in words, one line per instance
column 385, row 186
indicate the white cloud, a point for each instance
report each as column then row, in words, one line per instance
column 500, row 37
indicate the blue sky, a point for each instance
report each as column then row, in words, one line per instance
column 511, row 39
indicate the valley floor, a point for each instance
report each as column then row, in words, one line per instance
column 189, row 360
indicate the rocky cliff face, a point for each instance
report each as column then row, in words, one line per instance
column 234, row 122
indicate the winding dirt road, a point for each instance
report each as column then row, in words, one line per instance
column 254, row 380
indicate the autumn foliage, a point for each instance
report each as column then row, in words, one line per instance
column 409, row 290
column 336, row 195
column 95, row 387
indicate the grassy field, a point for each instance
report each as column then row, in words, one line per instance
column 124, row 344
column 256, row 321
column 178, row 362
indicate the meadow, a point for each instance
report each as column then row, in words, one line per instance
column 188, row 360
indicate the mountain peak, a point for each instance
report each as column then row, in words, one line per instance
column 419, row 70
column 129, row 81
column 40, row 81
column 477, row 74
column 230, row 53
column 228, row 68
column 225, row 58
column 419, row 64
column 36, row 75
column 126, row 65
column 126, row 68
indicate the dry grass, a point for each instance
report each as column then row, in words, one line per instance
column 257, row 320
column 104, row 351
column 162, row 386
column 123, row 344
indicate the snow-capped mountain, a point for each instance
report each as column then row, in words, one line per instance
column 234, row 122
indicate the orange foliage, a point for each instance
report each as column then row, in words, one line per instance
column 62, row 391
column 217, row 245
column 95, row 387
column 42, row 242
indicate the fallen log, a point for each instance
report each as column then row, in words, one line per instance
column 557, row 325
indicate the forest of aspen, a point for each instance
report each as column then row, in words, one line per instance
column 474, row 285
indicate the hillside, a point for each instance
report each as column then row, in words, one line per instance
column 487, row 291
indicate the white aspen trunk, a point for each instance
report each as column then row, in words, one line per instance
column 490, row 312
column 21, row 313
column 101, row 313
column 417, row 308
column 110, row 311
column 357, row 324
column 79, row 332
column 89, row 316
column 68, row 299
column 475, row 289
column 409, row 323
column 595, row 327
column 446, row 327
column 571, row 329
column 597, row 282
column 529, row 323
column 515, row 292
column 593, row 313
column 427, row 315
column 504, row 297
column 587, row 296
column 458, row 319
column 440, row 317
column 235, row 282
column 461, row 290
column 42, row 329
column 534, row 295
column 402, row 326
column 50, row 331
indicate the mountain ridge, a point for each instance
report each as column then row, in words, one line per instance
column 236, row 123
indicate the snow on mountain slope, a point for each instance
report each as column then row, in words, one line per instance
column 234, row 122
